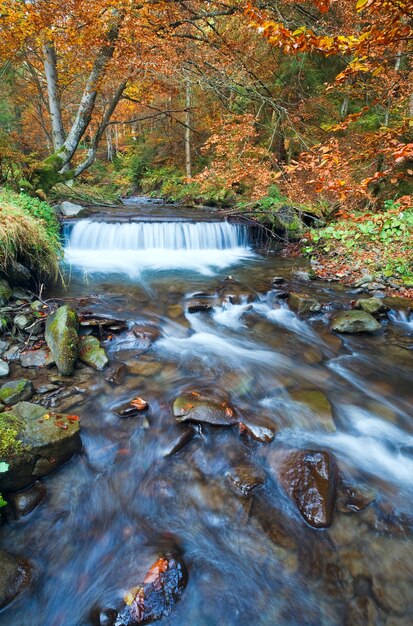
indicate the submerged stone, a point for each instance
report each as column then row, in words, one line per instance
column 15, row 576
column 39, row 442
column 192, row 408
column 355, row 322
column 116, row 373
column 132, row 408
column 318, row 403
column 352, row 498
column 16, row 391
column 303, row 304
column 62, row 338
column 92, row 353
column 310, row 478
column 244, row 478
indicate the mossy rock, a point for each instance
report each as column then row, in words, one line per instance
column 355, row 322
column 287, row 220
column 92, row 353
column 62, row 338
column 16, row 391
column 374, row 306
column 5, row 292
column 39, row 442
column 303, row 304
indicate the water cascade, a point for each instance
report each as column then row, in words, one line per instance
column 134, row 247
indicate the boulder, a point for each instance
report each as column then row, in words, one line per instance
column 69, row 209
column 196, row 409
column 62, row 338
column 310, row 477
column 5, row 292
column 374, row 306
column 355, row 322
column 16, row 391
column 364, row 280
column 92, row 353
column 303, row 304
column 34, row 443
column 4, row 369
column 15, row 575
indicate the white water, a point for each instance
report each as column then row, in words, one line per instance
column 132, row 248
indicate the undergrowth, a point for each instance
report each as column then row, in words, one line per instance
column 29, row 234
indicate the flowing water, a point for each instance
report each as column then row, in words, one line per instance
column 126, row 499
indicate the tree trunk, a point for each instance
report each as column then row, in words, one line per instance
column 50, row 70
column 188, row 160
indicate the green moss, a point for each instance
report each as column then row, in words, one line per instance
column 10, row 427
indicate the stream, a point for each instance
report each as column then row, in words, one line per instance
column 140, row 488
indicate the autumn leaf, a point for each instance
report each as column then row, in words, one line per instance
column 139, row 403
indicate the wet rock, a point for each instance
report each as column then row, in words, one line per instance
column 351, row 499
column 22, row 322
column 24, row 502
column 194, row 408
column 278, row 280
column 5, row 292
column 15, row 576
column 259, row 428
column 62, row 339
column 36, row 358
column 69, row 209
column 374, row 306
column 18, row 274
column 199, row 307
column 144, row 368
column 310, row 477
column 283, row 295
column 318, row 404
column 179, row 439
column 42, row 442
column 362, row 611
column 42, row 389
column 92, row 353
column 355, row 322
column 364, row 280
column 12, row 354
column 21, row 294
column 307, row 276
column 132, row 408
column 3, row 346
column 4, row 369
column 244, row 478
column 102, row 322
column 146, row 335
column 375, row 287
column 116, row 373
column 16, row 391
column 157, row 596
column 303, row 304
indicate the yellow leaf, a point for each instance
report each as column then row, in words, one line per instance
column 360, row 4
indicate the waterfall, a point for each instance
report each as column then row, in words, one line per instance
column 133, row 247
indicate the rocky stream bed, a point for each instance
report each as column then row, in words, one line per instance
column 205, row 448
